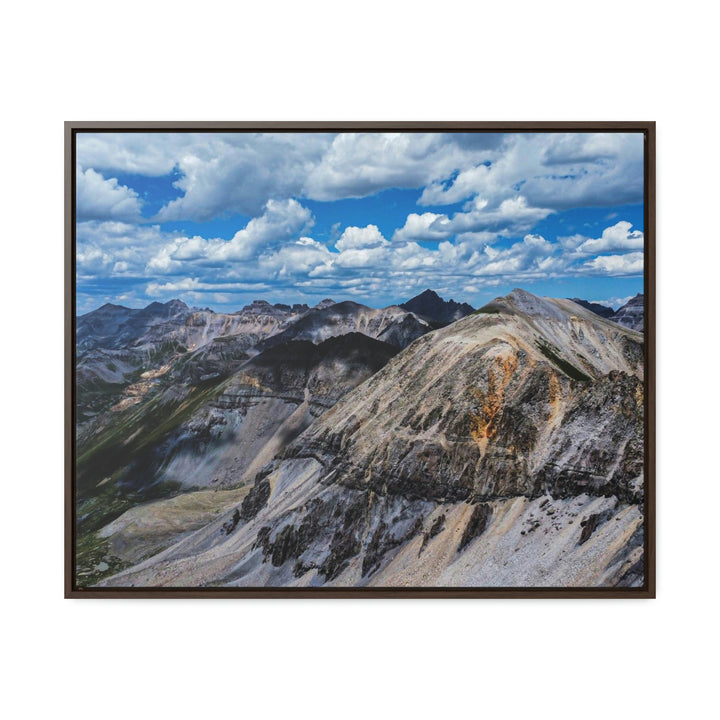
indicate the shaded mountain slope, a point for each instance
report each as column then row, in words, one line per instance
column 327, row 370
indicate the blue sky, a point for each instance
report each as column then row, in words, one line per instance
column 221, row 219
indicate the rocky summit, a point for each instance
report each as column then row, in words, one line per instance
column 430, row 306
column 505, row 449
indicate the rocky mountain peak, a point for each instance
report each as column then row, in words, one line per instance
column 257, row 305
column 106, row 310
column 109, row 307
column 429, row 305
column 168, row 309
column 263, row 307
column 296, row 308
column 524, row 302
column 326, row 303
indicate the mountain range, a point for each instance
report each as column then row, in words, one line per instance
column 630, row 315
column 420, row 444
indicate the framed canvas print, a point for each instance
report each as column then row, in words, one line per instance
column 360, row 359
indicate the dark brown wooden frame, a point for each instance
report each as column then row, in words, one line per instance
column 647, row 591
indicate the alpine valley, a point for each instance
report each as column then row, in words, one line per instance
column 426, row 444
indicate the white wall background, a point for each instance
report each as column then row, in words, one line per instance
column 373, row 60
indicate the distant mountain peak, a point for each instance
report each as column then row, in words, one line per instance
column 327, row 302
column 632, row 313
column 520, row 295
column 168, row 309
column 597, row 308
column 263, row 307
column 520, row 300
column 176, row 304
column 429, row 305
column 108, row 307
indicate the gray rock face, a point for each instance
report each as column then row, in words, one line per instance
column 632, row 314
column 121, row 351
column 160, row 325
column 115, row 326
column 505, row 449
column 279, row 310
column 220, row 357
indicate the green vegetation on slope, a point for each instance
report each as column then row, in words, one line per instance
column 133, row 435
column 488, row 309
column 149, row 528
column 570, row 370
column 116, row 470
column 93, row 560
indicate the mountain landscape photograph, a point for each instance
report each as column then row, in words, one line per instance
column 360, row 360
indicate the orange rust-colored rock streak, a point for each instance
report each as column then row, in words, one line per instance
column 484, row 424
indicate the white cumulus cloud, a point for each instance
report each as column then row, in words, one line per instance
column 280, row 222
column 629, row 264
column 618, row 237
column 101, row 199
column 423, row 227
column 552, row 170
column 222, row 173
column 360, row 237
